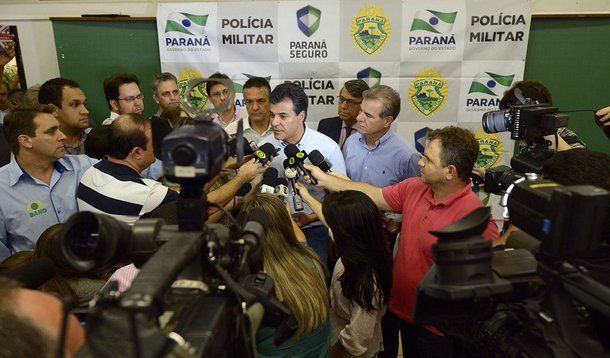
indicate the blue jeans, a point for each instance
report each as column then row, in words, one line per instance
column 317, row 239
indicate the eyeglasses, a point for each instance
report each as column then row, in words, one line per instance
column 132, row 99
column 350, row 102
column 224, row 92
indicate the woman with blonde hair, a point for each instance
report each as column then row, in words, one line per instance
column 300, row 282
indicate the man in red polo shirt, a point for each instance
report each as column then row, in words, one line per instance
column 441, row 196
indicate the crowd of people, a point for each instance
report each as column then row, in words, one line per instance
column 331, row 261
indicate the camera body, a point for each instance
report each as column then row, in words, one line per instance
column 518, row 303
column 525, row 121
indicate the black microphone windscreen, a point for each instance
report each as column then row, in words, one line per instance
column 315, row 157
column 287, row 163
column 247, row 148
column 260, row 216
column 268, row 149
column 282, row 181
column 270, row 177
column 291, row 150
column 34, row 273
column 244, row 189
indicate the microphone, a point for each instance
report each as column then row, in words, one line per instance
column 292, row 175
column 253, row 233
column 34, row 273
column 296, row 157
column 233, row 147
column 316, row 158
column 264, row 153
column 281, row 189
column 269, row 181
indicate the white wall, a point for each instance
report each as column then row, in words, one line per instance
column 38, row 44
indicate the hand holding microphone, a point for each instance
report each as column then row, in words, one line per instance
column 296, row 158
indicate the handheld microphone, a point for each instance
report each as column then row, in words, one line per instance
column 264, row 153
column 269, row 181
column 34, row 273
column 316, row 158
column 296, row 158
column 292, row 175
column 244, row 189
column 281, row 189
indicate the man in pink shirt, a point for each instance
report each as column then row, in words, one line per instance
column 441, row 196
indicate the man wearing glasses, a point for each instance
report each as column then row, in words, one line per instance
column 123, row 94
column 341, row 127
column 217, row 93
column 165, row 91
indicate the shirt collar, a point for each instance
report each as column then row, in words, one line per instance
column 306, row 137
column 16, row 172
column 386, row 137
column 429, row 195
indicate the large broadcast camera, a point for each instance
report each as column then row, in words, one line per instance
column 513, row 303
column 200, row 291
column 528, row 121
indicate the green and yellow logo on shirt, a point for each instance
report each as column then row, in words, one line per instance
column 35, row 208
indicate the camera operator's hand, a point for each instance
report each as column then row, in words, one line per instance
column 604, row 113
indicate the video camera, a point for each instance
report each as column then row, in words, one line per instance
column 516, row 304
column 528, row 121
column 200, row 291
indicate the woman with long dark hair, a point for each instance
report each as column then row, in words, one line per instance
column 362, row 277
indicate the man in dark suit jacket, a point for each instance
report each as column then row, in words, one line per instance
column 340, row 127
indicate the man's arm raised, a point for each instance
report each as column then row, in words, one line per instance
column 334, row 182
column 226, row 193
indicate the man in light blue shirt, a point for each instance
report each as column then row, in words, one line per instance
column 38, row 186
column 376, row 155
column 288, row 113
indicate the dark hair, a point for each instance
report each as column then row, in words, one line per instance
column 20, row 120
column 459, row 148
column 5, row 84
column 51, row 91
column 210, row 84
column 112, row 84
column 97, row 145
column 126, row 132
column 356, row 87
column 293, row 92
column 162, row 77
column 534, row 90
column 258, row 82
column 389, row 98
column 355, row 222
column 578, row 166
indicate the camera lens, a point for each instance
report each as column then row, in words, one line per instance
column 184, row 155
column 497, row 121
column 83, row 242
